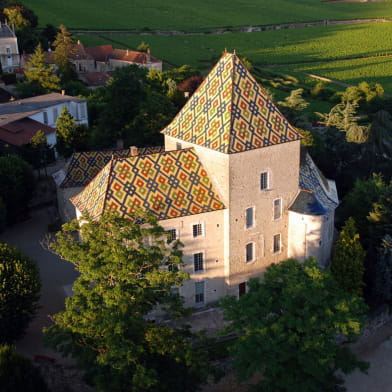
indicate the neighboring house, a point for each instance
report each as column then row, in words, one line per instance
column 105, row 59
column 44, row 109
column 232, row 185
column 9, row 52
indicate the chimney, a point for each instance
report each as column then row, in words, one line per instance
column 133, row 150
column 78, row 41
column 62, row 92
column 127, row 52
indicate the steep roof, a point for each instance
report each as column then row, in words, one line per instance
column 319, row 190
column 230, row 112
column 169, row 184
column 99, row 53
column 84, row 166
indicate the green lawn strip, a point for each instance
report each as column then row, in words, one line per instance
column 194, row 15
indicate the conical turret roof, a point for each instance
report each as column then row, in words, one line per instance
column 230, row 112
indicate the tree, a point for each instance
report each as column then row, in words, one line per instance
column 20, row 292
column 383, row 269
column 143, row 47
column 3, row 215
column 18, row 373
column 127, row 268
column 38, row 72
column 64, row 51
column 17, row 183
column 293, row 106
column 130, row 102
column 287, row 326
column 348, row 259
column 69, row 134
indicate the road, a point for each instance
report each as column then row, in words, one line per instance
column 56, row 276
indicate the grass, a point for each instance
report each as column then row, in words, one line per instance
column 195, row 15
column 283, row 47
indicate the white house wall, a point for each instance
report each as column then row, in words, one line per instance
column 78, row 110
column 311, row 236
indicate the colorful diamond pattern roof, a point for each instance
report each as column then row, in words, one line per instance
column 169, row 184
column 84, row 166
column 310, row 179
column 230, row 113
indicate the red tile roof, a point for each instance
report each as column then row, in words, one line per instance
column 81, row 53
column 96, row 78
column 99, row 53
column 132, row 56
column 21, row 131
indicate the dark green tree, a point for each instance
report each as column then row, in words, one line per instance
column 3, row 215
column 64, row 52
column 18, row 373
column 131, row 106
column 19, row 294
column 383, row 270
column 41, row 74
column 287, row 325
column 127, row 268
column 70, row 136
column 17, row 183
column 348, row 259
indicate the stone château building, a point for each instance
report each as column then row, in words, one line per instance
column 232, row 184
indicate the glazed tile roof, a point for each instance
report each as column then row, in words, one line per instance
column 311, row 180
column 84, row 166
column 230, row 112
column 169, row 184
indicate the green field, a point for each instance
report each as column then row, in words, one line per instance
column 193, row 15
column 266, row 47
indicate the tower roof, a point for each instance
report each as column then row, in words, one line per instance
column 169, row 184
column 230, row 112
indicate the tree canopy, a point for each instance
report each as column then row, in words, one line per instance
column 41, row 74
column 64, row 51
column 348, row 259
column 287, row 325
column 20, row 291
column 18, row 373
column 127, row 268
column 17, row 183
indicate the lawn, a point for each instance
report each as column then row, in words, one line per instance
column 192, row 15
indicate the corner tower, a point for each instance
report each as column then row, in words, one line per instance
column 252, row 155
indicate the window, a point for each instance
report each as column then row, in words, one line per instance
column 249, row 217
column 277, row 209
column 45, row 118
column 55, row 114
column 8, row 50
column 250, row 252
column 82, row 110
column 277, row 243
column 178, row 146
column 199, row 293
column 197, row 230
column 241, row 289
column 264, row 181
column 198, row 261
column 172, row 235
